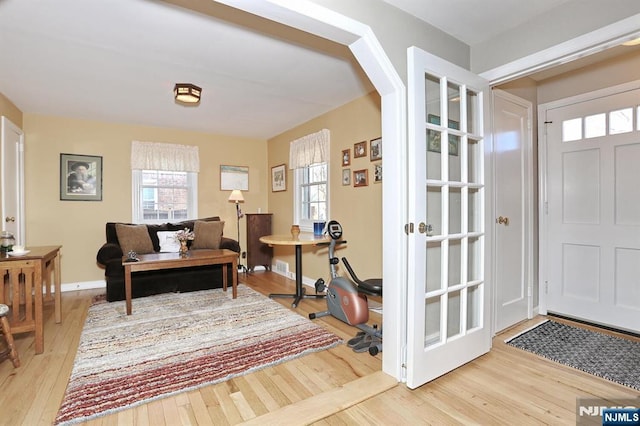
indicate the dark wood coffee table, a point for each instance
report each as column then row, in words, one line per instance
column 157, row 261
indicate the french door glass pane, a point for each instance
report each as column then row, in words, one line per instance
column 474, row 305
column 434, row 162
column 473, row 111
column 474, row 157
column 432, row 321
column 432, row 95
column 474, row 203
column 434, row 209
column 474, row 261
column 454, row 325
column 455, row 210
column 453, row 105
column 455, row 256
column 434, row 266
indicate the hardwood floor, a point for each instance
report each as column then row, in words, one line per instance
column 332, row 387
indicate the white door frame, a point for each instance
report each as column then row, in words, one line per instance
column 320, row 21
column 13, row 185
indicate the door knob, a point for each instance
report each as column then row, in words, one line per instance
column 503, row 220
column 9, row 219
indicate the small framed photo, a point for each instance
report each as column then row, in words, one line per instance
column 346, row 177
column 279, row 178
column 375, row 149
column 346, row 157
column 360, row 149
column 361, row 177
column 377, row 173
column 80, row 177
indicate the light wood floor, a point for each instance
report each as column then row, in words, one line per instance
column 505, row 386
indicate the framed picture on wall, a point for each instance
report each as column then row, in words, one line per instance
column 346, row 177
column 375, row 149
column 234, row 177
column 433, row 136
column 80, row 177
column 361, row 178
column 279, row 178
column 346, row 157
column 377, row 173
column 360, row 149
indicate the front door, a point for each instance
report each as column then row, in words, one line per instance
column 448, row 291
column 593, row 223
column 513, row 175
column 12, row 180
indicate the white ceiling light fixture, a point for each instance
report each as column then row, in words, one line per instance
column 187, row 93
column 633, row 42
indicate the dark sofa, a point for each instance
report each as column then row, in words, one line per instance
column 154, row 282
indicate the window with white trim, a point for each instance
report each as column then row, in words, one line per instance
column 164, row 182
column 309, row 157
column 311, row 199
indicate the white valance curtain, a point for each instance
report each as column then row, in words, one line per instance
column 309, row 149
column 164, row 156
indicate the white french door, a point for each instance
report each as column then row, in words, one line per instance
column 12, row 179
column 448, row 291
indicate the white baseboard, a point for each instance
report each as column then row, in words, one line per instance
column 85, row 285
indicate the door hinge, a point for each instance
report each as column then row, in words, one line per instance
column 546, row 207
column 546, row 287
column 408, row 228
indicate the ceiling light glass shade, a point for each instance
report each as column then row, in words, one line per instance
column 633, row 42
column 236, row 195
column 187, row 93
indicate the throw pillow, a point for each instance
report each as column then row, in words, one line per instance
column 208, row 234
column 134, row 238
column 168, row 242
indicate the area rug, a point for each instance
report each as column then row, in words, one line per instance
column 610, row 357
column 173, row 343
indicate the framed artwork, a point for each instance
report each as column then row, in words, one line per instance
column 433, row 137
column 80, row 177
column 360, row 149
column 234, row 177
column 361, row 178
column 375, row 149
column 346, row 157
column 278, row 178
column 377, row 173
column 346, row 177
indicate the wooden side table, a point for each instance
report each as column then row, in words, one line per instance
column 22, row 289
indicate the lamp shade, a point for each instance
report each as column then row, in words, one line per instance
column 236, row 196
column 187, row 93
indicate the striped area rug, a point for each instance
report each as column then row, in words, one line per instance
column 178, row 342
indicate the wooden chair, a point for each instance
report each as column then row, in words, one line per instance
column 5, row 328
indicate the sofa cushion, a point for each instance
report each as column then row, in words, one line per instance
column 168, row 242
column 208, row 234
column 134, row 238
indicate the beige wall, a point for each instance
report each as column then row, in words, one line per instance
column 9, row 110
column 79, row 225
column 359, row 210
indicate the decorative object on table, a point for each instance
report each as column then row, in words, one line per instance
column 234, row 177
column 6, row 241
column 318, row 228
column 346, row 177
column 604, row 355
column 361, row 177
column 80, row 177
column 295, row 231
column 346, row 157
column 198, row 347
column 375, row 149
column 377, row 173
column 183, row 236
column 278, row 178
column 237, row 197
column 360, row 149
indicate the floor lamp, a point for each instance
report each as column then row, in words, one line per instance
column 236, row 197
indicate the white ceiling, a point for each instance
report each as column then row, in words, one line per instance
column 118, row 60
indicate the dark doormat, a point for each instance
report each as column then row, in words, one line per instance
column 610, row 357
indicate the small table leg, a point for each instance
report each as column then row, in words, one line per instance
column 300, row 291
column 127, row 287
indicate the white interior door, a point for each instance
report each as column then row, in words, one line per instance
column 12, row 180
column 593, row 224
column 448, row 290
column 513, row 171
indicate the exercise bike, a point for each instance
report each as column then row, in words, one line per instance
column 347, row 300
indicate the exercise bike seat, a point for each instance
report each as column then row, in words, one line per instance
column 370, row 286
